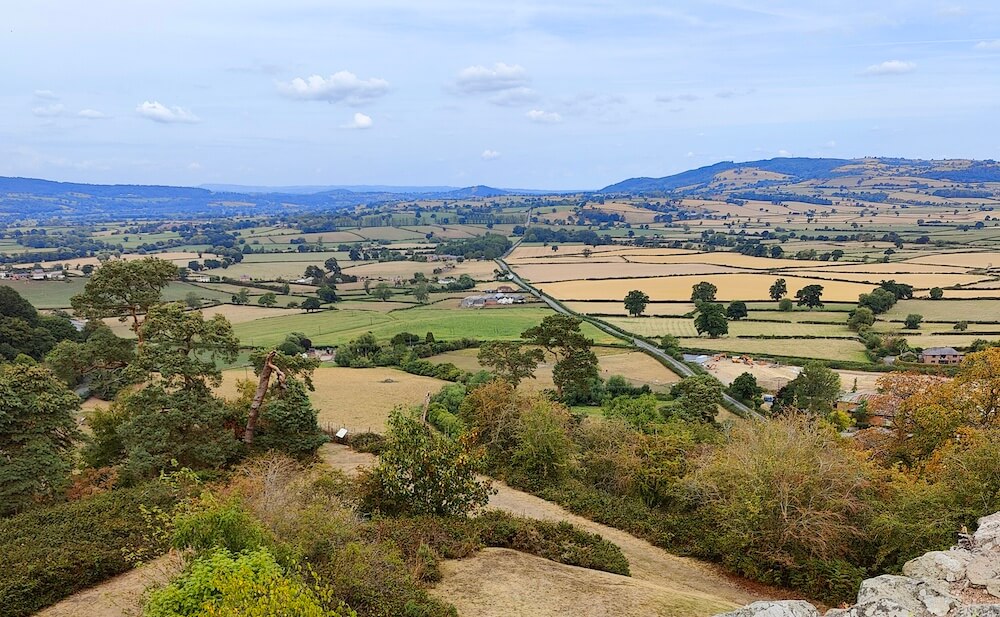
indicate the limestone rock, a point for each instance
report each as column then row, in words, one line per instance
column 978, row 610
column 984, row 571
column 880, row 607
column 939, row 565
column 920, row 598
column 987, row 536
column 783, row 608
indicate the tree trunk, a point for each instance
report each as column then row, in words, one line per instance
column 258, row 397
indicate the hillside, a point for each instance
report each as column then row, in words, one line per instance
column 805, row 175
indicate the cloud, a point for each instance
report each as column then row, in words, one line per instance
column 479, row 79
column 672, row 98
column 489, row 155
column 158, row 112
column 91, row 114
column 543, row 117
column 890, row 67
column 360, row 121
column 784, row 153
column 514, row 97
column 993, row 45
column 47, row 95
column 830, row 144
column 689, row 155
column 342, row 86
column 733, row 93
column 49, row 111
column 194, row 166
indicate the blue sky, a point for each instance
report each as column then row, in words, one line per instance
column 543, row 94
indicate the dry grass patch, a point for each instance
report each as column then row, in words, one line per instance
column 920, row 281
column 241, row 314
column 822, row 349
column 359, row 399
column 618, row 308
column 966, row 260
column 548, row 273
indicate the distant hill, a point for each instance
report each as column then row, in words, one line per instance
column 311, row 190
column 774, row 174
column 29, row 197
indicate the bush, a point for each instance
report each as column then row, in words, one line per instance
column 51, row 553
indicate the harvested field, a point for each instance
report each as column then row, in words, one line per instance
column 919, row 281
column 604, row 270
column 480, row 270
column 946, row 310
column 731, row 287
column 242, row 314
column 822, row 349
column 967, row 260
column 658, row 326
column 357, row 398
column 618, row 308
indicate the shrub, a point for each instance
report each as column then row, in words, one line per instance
column 51, row 553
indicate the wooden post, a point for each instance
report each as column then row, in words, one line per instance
column 258, row 397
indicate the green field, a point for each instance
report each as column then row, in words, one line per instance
column 658, row 326
column 57, row 294
column 340, row 326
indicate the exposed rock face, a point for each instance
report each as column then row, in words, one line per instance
column 961, row 582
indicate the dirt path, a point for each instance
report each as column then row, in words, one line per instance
column 122, row 596
column 494, row 582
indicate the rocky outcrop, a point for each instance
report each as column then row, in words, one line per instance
column 961, row 582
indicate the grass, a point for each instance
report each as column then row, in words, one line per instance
column 658, row 326
column 946, row 310
column 341, row 326
column 823, row 349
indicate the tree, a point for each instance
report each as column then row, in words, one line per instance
column 587, row 252
column 575, row 376
column 778, row 290
column 315, row 273
column 814, row 390
column 510, row 360
column 382, row 291
column 268, row 299
column 810, row 296
column 736, row 310
column 696, row 398
column 332, row 266
column 241, row 298
column 746, row 389
column 785, row 305
column 913, row 321
column 311, row 304
column 558, row 334
column 125, row 290
column 936, row 293
column 37, row 434
column 635, row 302
column 703, row 292
column 901, row 291
column 101, row 359
column 879, row 300
column 642, row 412
column 670, row 344
column 836, row 254
column 421, row 471
column 961, row 326
column 192, row 299
column 861, row 318
column 711, row 320
column 421, row 292
column 979, row 381
column 328, row 293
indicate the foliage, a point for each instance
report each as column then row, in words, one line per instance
column 488, row 246
column 746, row 389
column 711, row 320
column 251, row 584
column 936, row 293
column 422, row 472
column 125, row 289
column 785, row 305
column 912, row 321
column 642, row 412
column 100, row 360
column 878, row 301
column 778, row 290
column 860, row 319
column 810, row 296
column 51, row 553
column 703, row 292
column 635, row 302
column 577, row 377
column 696, row 399
column 509, row 360
column 736, row 310
column 814, row 389
column 37, row 433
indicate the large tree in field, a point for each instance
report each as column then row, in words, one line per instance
column 635, row 302
column 815, row 389
column 37, row 431
column 711, row 320
column 576, row 365
column 810, row 296
column 736, row 310
column 778, row 290
column 703, row 292
column 125, row 289
column 510, row 360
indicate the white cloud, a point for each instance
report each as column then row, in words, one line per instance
column 784, row 153
column 514, row 97
column 47, row 95
column 49, row 111
column 360, row 121
column 194, row 166
column 91, row 114
column 544, row 117
column 342, row 86
column 830, row 144
column 158, row 112
column 890, row 67
column 689, row 155
column 480, row 79
column 733, row 93
column 489, row 155
column 993, row 45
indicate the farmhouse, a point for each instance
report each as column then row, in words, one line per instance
column 941, row 355
column 492, row 299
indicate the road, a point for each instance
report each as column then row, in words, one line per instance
column 677, row 366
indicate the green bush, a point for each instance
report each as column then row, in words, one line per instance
column 51, row 553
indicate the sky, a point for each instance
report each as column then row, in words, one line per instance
column 543, row 94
